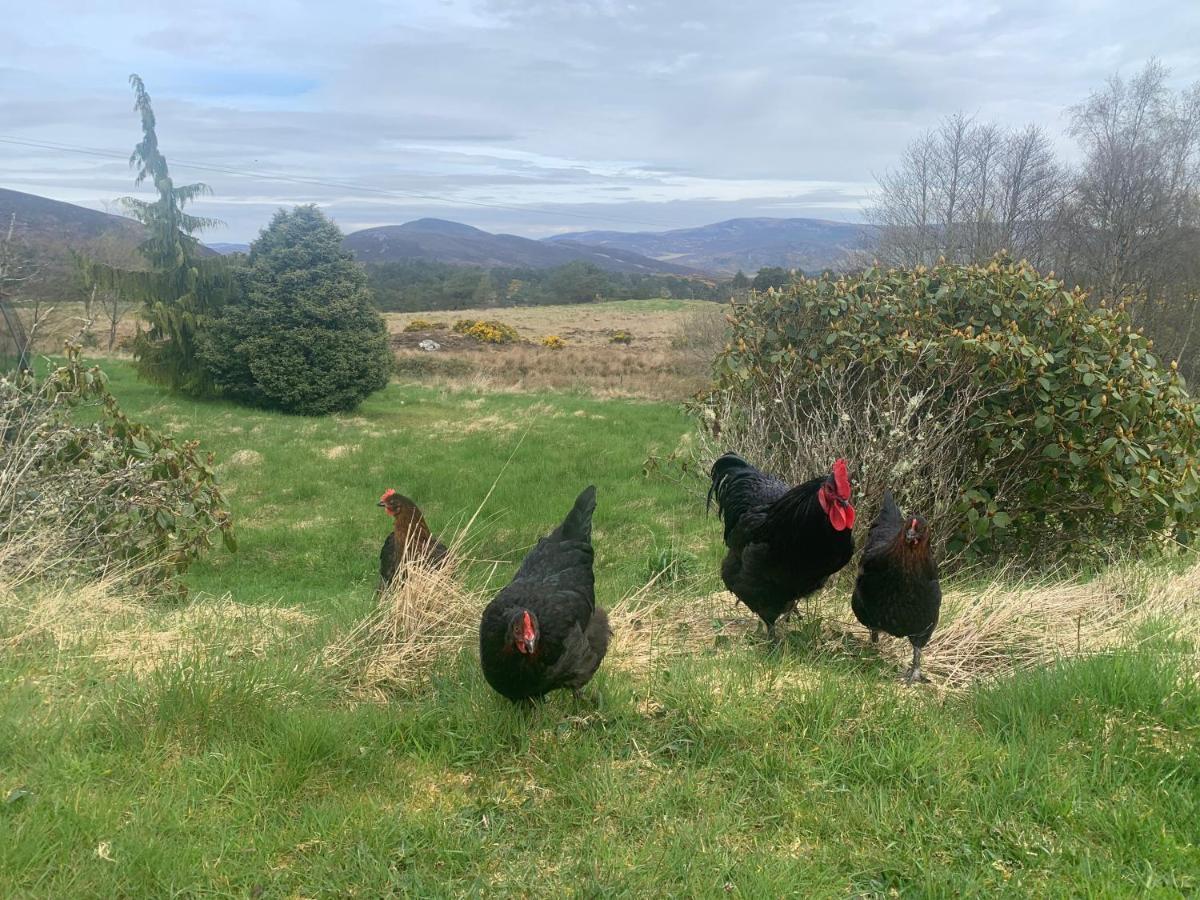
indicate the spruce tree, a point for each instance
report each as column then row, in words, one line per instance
column 303, row 337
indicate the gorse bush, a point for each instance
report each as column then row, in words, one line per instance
column 304, row 338
column 553, row 341
column 1058, row 429
column 487, row 331
column 86, row 489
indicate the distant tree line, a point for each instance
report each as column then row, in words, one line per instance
column 414, row 285
column 1123, row 222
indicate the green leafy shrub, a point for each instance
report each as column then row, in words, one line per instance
column 85, row 489
column 487, row 331
column 1051, row 426
column 304, row 338
column 620, row 337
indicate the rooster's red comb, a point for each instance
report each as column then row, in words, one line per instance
column 388, row 493
column 841, row 479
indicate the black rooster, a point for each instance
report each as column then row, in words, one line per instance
column 783, row 542
column 544, row 630
column 897, row 590
column 410, row 539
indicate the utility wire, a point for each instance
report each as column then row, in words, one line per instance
column 316, row 182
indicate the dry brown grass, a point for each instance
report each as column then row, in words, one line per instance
column 669, row 358
column 603, row 372
column 106, row 622
column 424, row 618
column 1007, row 626
column 584, row 323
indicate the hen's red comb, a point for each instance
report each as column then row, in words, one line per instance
column 389, row 492
column 527, row 632
column 841, row 479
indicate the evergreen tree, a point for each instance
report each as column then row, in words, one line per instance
column 304, row 337
column 181, row 291
column 771, row 277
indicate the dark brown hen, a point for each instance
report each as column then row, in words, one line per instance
column 784, row 542
column 544, row 630
column 410, row 540
column 897, row 590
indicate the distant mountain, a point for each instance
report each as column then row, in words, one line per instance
column 40, row 217
column 51, row 229
column 746, row 244
column 226, row 249
column 457, row 244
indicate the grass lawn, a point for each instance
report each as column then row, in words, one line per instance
column 245, row 769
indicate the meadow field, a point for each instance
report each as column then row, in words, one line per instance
column 651, row 349
column 227, row 745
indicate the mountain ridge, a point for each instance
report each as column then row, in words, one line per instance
column 747, row 244
column 457, row 244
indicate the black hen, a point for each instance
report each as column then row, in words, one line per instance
column 544, row 630
column 897, row 590
column 783, row 542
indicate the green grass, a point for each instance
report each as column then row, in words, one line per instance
column 739, row 772
column 309, row 531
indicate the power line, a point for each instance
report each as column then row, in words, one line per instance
column 316, row 182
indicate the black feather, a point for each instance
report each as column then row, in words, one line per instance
column 781, row 544
column 554, row 583
column 897, row 590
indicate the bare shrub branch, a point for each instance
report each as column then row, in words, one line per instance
column 899, row 426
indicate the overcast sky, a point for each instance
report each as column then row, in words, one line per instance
column 541, row 116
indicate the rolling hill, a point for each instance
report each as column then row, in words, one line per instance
column 746, row 244
column 463, row 245
column 226, row 249
column 51, row 229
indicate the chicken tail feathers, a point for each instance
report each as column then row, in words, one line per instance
column 725, row 466
column 577, row 526
column 885, row 527
column 739, row 487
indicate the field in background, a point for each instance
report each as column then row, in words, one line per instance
column 150, row 748
column 668, row 356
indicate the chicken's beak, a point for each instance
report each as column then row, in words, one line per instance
column 381, row 503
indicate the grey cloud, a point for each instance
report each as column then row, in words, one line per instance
column 598, row 111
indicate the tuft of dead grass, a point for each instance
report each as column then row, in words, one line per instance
column 427, row 616
column 1008, row 626
column 244, row 458
column 103, row 620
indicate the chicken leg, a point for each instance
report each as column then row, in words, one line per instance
column 596, row 699
column 913, row 675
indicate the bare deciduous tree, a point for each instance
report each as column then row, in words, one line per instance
column 110, row 304
column 18, row 268
column 1133, row 216
column 966, row 191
